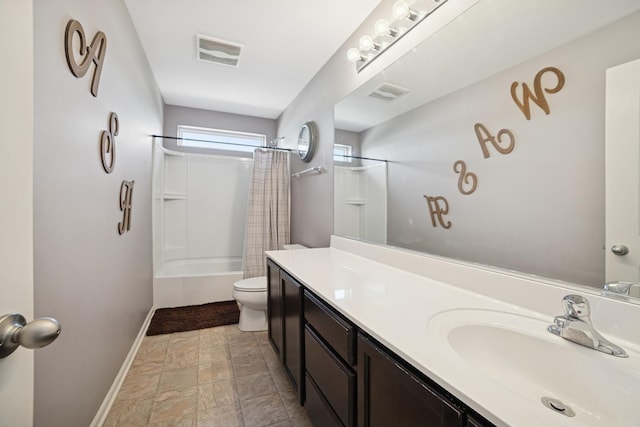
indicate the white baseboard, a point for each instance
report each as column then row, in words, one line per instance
column 104, row 409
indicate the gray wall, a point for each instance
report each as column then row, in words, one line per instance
column 95, row 281
column 176, row 115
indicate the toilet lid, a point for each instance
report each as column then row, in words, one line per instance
column 253, row 284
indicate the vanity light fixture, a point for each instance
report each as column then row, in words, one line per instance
column 387, row 33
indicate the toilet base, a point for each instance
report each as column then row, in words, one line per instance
column 252, row 320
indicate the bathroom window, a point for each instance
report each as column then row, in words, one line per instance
column 219, row 139
column 341, row 153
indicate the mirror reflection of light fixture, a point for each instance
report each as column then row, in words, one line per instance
column 387, row 33
column 354, row 55
column 383, row 28
column 366, row 44
column 401, row 10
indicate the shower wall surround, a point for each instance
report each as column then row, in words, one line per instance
column 200, row 206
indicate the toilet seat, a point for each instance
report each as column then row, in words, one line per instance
column 253, row 284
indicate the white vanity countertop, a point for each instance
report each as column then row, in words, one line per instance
column 395, row 307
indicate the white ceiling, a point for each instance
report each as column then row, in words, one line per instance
column 286, row 42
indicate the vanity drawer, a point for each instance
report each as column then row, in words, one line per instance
column 335, row 380
column 317, row 407
column 335, row 331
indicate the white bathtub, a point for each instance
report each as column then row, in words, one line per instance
column 189, row 282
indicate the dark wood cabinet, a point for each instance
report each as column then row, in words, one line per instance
column 275, row 306
column 293, row 332
column 329, row 342
column 335, row 381
column 337, row 332
column 473, row 422
column 285, row 323
column 318, row 409
column 388, row 394
column 344, row 377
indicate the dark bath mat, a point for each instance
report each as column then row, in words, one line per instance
column 193, row 317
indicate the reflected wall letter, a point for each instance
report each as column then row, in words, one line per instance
column 468, row 178
column 485, row 136
column 438, row 208
column 539, row 97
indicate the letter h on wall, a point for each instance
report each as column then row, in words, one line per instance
column 126, row 198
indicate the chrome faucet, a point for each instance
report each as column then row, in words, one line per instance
column 575, row 325
column 621, row 290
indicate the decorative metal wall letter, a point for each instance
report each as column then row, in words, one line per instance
column 539, row 97
column 108, row 143
column 126, row 196
column 465, row 177
column 438, row 207
column 485, row 136
column 94, row 53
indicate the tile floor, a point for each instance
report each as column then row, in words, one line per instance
column 208, row 378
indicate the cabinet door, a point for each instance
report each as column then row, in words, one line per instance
column 293, row 344
column 274, row 309
column 390, row 395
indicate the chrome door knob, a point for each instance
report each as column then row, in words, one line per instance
column 620, row 250
column 15, row 332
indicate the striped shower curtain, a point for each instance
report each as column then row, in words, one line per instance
column 268, row 209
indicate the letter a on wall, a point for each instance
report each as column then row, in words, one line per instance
column 94, row 53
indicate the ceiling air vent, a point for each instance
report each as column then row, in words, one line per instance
column 388, row 92
column 217, row 51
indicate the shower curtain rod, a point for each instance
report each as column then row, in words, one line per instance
column 361, row 158
column 224, row 143
column 266, row 147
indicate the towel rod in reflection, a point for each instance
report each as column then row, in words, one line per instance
column 318, row 169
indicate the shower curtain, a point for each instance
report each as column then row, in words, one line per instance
column 268, row 209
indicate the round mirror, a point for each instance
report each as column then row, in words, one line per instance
column 307, row 140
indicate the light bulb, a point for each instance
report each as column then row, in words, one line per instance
column 382, row 28
column 366, row 43
column 354, row 55
column 401, row 10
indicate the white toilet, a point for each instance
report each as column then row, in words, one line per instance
column 251, row 294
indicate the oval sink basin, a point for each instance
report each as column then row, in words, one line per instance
column 518, row 354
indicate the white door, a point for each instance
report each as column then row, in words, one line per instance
column 623, row 173
column 16, row 201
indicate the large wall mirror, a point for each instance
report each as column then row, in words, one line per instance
column 474, row 170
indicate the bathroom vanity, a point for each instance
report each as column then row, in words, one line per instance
column 374, row 336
